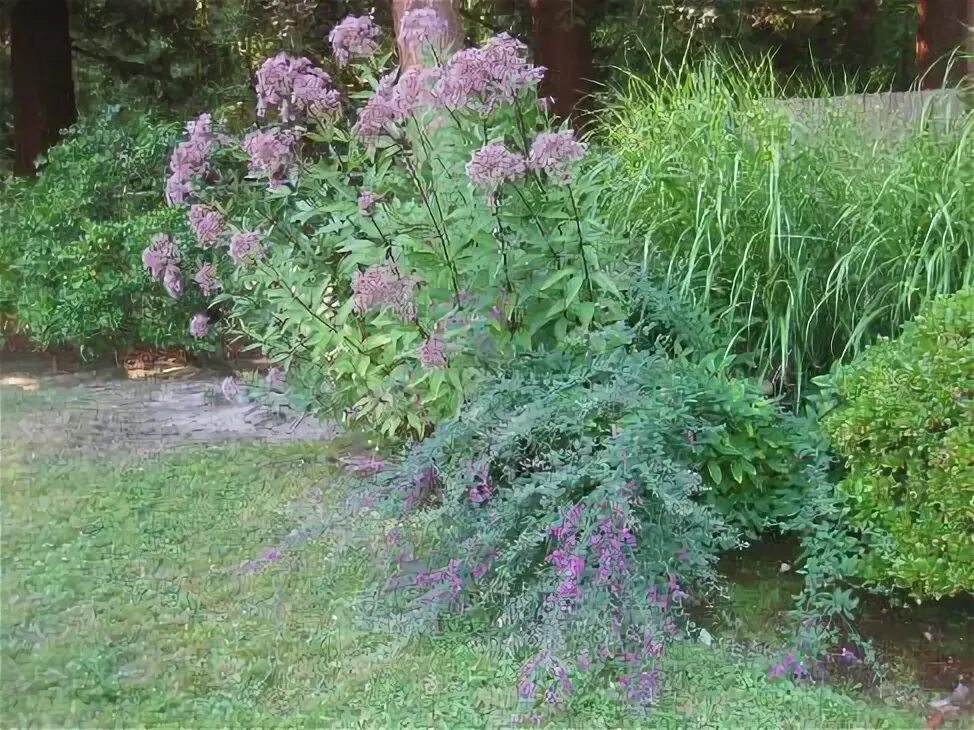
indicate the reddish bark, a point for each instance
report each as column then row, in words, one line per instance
column 941, row 30
column 562, row 31
column 447, row 9
column 43, row 82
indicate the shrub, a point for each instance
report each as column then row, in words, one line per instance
column 562, row 504
column 806, row 245
column 71, row 240
column 904, row 426
column 390, row 242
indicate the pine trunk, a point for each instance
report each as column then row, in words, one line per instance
column 411, row 55
column 562, row 31
column 43, row 81
column 942, row 29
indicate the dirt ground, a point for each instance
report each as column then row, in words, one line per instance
column 112, row 410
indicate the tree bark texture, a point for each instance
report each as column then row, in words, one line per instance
column 562, row 31
column 43, row 79
column 411, row 54
column 942, row 28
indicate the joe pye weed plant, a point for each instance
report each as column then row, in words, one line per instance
column 391, row 240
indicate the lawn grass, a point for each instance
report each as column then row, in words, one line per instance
column 122, row 607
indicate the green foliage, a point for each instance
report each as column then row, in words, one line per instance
column 758, row 461
column 71, row 240
column 807, row 241
column 904, row 425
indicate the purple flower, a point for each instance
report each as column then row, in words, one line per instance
column 207, row 279
column 423, row 26
column 189, row 159
column 416, row 88
column 294, row 85
column 172, row 279
column 159, row 255
column 271, row 555
column 483, row 78
column 847, row 656
column 553, row 153
column 526, row 689
column 230, row 388
column 245, row 246
column 354, row 36
column 274, row 378
column 271, row 153
column 432, row 353
column 493, row 165
column 206, row 224
column 199, row 325
column 367, row 200
column 379, row 113
column 584, row 662
column 381, row 285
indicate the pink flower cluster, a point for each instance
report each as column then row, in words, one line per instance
column 159, row 255
column 173, row 281
column 553, row 153
column 367, row 200
column 493, row 165
column 206, row 224
column 422, row 27
column 207, row 279
column 612, row 540
column 395, row 100
column 245, row 246
column 294, row 85
column 199, row 325
column 354, row 36
column 432, row 353
column 483, row 78
column 271, row 153
column 189, row 159
column 381, row 285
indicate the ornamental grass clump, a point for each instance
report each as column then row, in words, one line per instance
column 398, row 237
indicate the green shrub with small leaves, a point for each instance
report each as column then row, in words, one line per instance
column 904, row 426
column 71, row 240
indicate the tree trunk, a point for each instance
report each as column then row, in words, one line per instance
column 411, row 54
column 562, row 31
column 43, row 82
column 941, row 30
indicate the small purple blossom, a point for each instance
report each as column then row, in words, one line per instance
column 271, row 555
column 432, row 353
column 159, row 255
column 230, row 388
column 207, row 279
column 199, row 325
column 493, row 165
column 379, row 113
column 245, row 246
column 206, row 224
column 554, row 152
column 847, row 656
column 355, row 36
column 172, row 280
column 367, row 200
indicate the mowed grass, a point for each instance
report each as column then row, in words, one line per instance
column 122, row 607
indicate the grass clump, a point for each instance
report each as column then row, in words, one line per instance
column 808, row 236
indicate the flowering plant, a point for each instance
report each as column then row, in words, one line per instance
column 562, row 503
column 395, row 237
